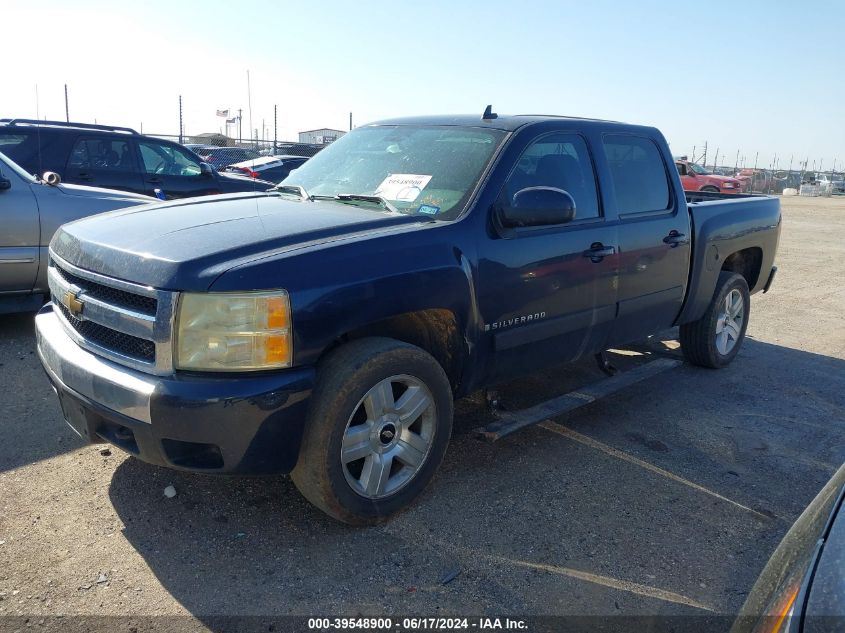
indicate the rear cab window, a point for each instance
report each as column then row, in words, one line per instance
column 638, row 173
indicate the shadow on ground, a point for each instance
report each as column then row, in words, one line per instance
column 537, row 523
column 30, row 412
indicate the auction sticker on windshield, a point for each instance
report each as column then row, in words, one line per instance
column 402, row 187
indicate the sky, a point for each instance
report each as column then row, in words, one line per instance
column 764, row 79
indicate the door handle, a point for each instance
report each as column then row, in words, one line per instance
column 599, row 251
column 674, row 239
column 85, row 176
column 154, row 179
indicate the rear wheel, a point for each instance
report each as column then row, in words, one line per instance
column 710, row 189
column 378, row 429
column 714, row 340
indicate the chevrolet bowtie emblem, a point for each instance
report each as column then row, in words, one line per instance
column 73, row 303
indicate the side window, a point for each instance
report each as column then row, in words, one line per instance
column 561, row 161
column 101, row 154
column 638, row 174
column 31, row 150
column 167, row 160
column 682, row 169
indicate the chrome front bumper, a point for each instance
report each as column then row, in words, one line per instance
column 108, row 384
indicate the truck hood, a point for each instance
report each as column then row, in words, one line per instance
column 719, row 178
column 187, row 244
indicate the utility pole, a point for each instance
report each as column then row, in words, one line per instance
column 715, row 160
column 67, row 112
column 180, row 119
column 705, row 154
column 350, row 121
column 275, row 127
column 240, row 132
column 736, row 163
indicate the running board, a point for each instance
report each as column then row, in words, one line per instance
column 508, row 422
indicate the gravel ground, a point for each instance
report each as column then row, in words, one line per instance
column 664, row 499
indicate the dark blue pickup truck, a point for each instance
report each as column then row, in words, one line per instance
column 324, row 328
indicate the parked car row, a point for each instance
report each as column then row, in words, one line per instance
column 116, row 158
column 694, row 177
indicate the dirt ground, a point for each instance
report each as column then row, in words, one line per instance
column 664, row 499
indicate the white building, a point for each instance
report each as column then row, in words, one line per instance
column 323, row 136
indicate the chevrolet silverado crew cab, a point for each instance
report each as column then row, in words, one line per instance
column 325, row 327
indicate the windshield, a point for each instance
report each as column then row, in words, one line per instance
column 431, row 170
column 699, row 169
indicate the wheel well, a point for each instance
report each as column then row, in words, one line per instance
column 747, row 263
column 436, row 331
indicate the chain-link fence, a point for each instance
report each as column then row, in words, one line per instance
column 250, row 146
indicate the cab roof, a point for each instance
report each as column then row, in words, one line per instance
column 508, row 123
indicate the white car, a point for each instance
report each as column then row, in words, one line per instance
column 831, row 183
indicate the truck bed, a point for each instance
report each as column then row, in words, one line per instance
column 724, row 225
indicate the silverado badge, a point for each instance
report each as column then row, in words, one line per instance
column 73, row 303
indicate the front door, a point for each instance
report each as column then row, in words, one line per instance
column 547, row 294
column 654, row 238
column 173, row 170
column 20, row 234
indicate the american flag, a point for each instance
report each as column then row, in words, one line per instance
column 223, row 113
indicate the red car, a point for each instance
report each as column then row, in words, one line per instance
column 696, row 178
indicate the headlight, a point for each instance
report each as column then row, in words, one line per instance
column 233, row 331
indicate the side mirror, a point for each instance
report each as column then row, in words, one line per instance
column 51, row 178
column 206, row 170
column 538, row 206
column 5, row 183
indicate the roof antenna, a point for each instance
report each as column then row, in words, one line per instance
column 489, row 114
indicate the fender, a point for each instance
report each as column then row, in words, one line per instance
column 340, row 288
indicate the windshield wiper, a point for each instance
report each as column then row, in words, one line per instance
column 294, row 189
column 365, row 198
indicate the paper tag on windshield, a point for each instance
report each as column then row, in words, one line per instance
column 402, row 187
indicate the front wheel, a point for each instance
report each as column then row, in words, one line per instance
column 377, row 431
column 714, row 340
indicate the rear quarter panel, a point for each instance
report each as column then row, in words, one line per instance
column 724, row 227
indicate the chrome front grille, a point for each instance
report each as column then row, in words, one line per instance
column 128, row 323
column 145, row 305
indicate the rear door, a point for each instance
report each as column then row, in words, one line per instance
column 104, row 161
column 174, row 170
column 548, row 294
column 654, row 237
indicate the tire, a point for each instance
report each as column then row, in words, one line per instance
column 710, row 189
column 708, row 342
column 354, row 415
